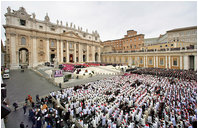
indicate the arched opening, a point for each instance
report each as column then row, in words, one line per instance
column 96, row 57
column 71, row 58
column 84, row 58
column 52, row 58
column 23, row 57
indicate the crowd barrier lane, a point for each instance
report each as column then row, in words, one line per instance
column 71, row 118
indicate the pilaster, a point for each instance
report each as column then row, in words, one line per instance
column 67, row 51
column 93, row 53
column 195, row 61
column 47, row 51
column 186, row 62
column 57, row 50
column 61, row 51
column 74, row 52
column 88, row 53
column 181, row 62
column 34, row 47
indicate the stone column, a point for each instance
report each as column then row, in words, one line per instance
column 166, row 62
column 181, row 62
column 47, row 51
column 93, row 53
column 74, row 52
column 195, row 61
column 13, row 64
column 154, row 62
column 146, row 62
column 61, row 49
column 169, row 62
column 34, row 49
column 80, row 53
column 57, row 50
column 186, row 62
column 99, row 54
column 67, row 52
column 129, row 61
column 88, row 53
column 157, row 61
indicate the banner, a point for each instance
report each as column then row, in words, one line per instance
column 58, row 73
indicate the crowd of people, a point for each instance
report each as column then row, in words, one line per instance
column 163, row 99
column 132, row 101
column 177, row 73
column 44, row 113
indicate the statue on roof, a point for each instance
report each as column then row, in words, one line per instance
column 8, row 9
column 33, row 15
column 66, row 24
column 61, row 23
column 47, row 18
column 71, row 25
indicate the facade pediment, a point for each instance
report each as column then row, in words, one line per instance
column 71, row 34
column 21, row 13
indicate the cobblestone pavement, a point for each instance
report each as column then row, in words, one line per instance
column 18, row 87
column 22, row 84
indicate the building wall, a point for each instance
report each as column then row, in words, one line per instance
column 131, row 41
column 42, row 38
column 176, row 44
column 188, row 34
column 159, row 59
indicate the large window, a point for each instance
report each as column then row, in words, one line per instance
column 22, row 22
column 52, row 43
column 23, row 41
column 150, row 61
column 175, row 62
column 70, row 46
column 161, row 61
column 133, row 62
column 141, row 61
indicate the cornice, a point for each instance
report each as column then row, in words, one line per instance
column 60, row 35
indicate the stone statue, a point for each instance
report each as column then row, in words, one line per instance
column 74, row 26
column 87, row 30
column 71, row 25
column 61, row 23
column 57, row 22
column 33, row 14
column 47, row 18
column 66, row 24
column 8, row 9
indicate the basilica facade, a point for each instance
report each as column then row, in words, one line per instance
column 31, row 42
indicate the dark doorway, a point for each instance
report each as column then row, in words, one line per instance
column 76, row 59
column 52, row 58
column 71, row 58
column 84, row 58
column 191, row 62
column 64, row 59
column 23, row 57
column 96, row 57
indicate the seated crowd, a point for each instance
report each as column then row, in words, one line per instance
column 130, row 101
column 177, row 73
